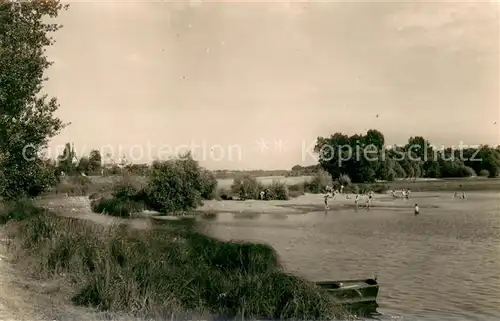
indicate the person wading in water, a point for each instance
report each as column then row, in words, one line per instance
column 327, row 195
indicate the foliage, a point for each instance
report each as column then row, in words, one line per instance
column 117, row 206
column 65, row 161
column 247, row 187
column 95, row 161
column 208, row 184
column 278, row 191
column 225, row 194
column 319, row 182
column 365, row 158
column 167, row 269
column 344, row 180
column 177, row 185
column 18, row 210
column 484, row 173
column 27, row 119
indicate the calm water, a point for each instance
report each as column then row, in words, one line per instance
column 441, row 265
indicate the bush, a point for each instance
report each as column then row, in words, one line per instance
column 29, row 179
column 18, row 210
column 170, row 268
column 344, row 179
column 484, row 173
column 174, row 185
column 208, row 185
column 225, row 194
column 318, row 183
column 247, row 187
column 296, row 190
column 74, row 186
column 129, row 188
column 278, row 191
column 117, row 206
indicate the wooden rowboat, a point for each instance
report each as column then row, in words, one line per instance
column 358, row 296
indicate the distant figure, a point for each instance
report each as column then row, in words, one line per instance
column 403, row 192
column 408, row 193
column 356, row 200
column 416, row 210
column 369, row 200
column 326, row 201
column 341, row 189
column 102, row 172
column 463, row 196
column 455, row 195
column 262, row 195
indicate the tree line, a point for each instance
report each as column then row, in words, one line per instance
column 366, row 158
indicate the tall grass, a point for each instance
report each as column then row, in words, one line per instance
column 172, row 268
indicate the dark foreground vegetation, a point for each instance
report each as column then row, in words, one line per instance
column 168, row 269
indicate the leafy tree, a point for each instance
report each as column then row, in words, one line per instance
column 27, row 118
column 65, row 161
column 83, row 166
column 95, row 161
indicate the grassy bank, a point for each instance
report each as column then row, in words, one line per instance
column 165, row 270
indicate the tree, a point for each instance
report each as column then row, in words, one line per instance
column 84, row 165
column 95, row 161
column 27, row 118
column 65, row 161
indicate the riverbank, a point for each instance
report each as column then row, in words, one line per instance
column 158, row 271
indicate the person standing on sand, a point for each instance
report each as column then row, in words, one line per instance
column 341, row 189
column 356, row 200
column 416, row 210
column 326, row 201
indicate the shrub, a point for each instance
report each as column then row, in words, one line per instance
column 117, row 206
column 320, row 180
column 174, row 185
column 247, row 187
column 18, row 210
column 74, row 186
column 129, row 188
column 484, row 173
column 208, row 185
column 170, row 268
column 344, row 179
column 278, row 191
column 296, row 190
column 30, row 179
column 225, row 194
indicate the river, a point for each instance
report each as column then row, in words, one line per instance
column 443, row 264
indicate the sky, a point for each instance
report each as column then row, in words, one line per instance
column 249, row 85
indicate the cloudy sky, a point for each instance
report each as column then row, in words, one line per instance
column 258, row 82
